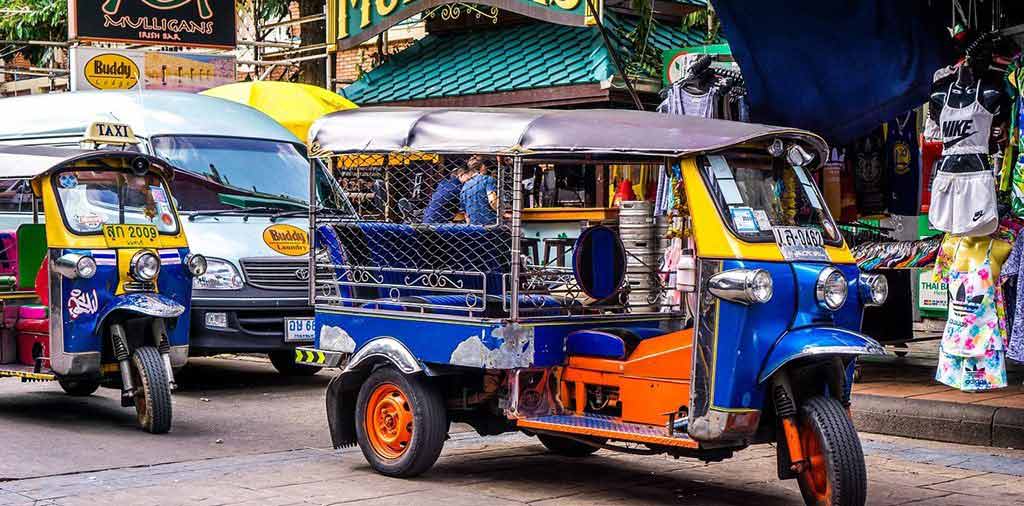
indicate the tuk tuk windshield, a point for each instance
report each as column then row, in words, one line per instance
column 756, row 193
column 90, row 199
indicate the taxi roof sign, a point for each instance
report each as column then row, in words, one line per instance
column 102, row 132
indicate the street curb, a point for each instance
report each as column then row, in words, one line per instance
column 950, row 422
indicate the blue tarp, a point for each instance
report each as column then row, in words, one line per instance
column 836, row 67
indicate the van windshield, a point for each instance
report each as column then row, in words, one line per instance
column 756, row 193
column 225, row 173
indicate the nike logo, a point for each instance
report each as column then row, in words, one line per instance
column 953, row 132
column 978, row 215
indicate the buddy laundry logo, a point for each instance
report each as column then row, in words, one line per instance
column 111, row 7
column 111, row 71
column 287, row 240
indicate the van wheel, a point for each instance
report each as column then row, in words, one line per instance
column 568, row 447
column 79, row 388
column 152, row 392
column 835, row 474
column 284, row 362
column 401, row 423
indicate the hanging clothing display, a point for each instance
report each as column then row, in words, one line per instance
column 1014, row 268
column 963, row 196
column 902, row 167
column 699, row 105
column 868, row 154
column 896, row 255
column 1014, row 161
column 972, row 350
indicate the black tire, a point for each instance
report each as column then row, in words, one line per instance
column 284, row 362
column 79, row 388
column 428, row 425
column 568, row 447
column 152, row 392
column 836, row 475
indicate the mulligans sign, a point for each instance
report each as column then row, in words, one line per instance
column 357, row 21
column 199, row 23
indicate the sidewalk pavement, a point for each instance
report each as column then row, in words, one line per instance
column 899, row 396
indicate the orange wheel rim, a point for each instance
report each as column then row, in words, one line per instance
column 389, row 421
column 816, row 471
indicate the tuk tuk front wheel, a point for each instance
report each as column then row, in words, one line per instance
column 835, row 474
column 152, row 391
column 79, row 388
column 401, row 423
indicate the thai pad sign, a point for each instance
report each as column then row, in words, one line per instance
column 201, row 23
column 359, row 20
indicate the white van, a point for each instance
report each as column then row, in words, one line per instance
column 242, row 185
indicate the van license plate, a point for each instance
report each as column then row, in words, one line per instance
column 298, row 329
column 130, row 236
column 799, row 243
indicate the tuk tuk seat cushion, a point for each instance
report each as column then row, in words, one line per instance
column 613, row 343
column 34, row 326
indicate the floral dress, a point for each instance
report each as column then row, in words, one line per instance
column 972, row 354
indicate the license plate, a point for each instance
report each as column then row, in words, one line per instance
column 298, row 329
column 799, row 243
column 130, row 236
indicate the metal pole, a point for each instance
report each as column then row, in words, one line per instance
column 615, row 57
column 517, row 232
column 312, row 229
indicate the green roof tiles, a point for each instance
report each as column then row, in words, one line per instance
column 534, row 55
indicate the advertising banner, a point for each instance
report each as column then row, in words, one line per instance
column 120, row 69
column 198, row 23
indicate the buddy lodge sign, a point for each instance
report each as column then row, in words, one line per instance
column 356, row 21
column 197, row 23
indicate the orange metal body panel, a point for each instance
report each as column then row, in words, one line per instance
column 652, row 382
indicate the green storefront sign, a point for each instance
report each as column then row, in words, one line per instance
column 356, row 21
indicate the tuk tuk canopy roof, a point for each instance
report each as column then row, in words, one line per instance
column 26, row 162
column 539, row 131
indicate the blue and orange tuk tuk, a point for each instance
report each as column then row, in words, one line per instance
column 101, row 274
column 435, row 321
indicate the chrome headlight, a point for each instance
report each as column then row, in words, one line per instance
column 73, row 265
column 745, row 286
column 831, row 289
column 874, row 289
column 196, row 264
column 219, row 275
column 145, row 266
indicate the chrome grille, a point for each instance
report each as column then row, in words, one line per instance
column 276, row 273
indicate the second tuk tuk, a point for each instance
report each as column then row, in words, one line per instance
column 436, row 314
column 97, row 286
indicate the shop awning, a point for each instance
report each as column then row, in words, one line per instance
column 838, row 68
column 521, row 57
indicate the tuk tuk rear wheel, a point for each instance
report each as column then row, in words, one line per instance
column 79, row 388
column 568, row 447
column 284, row 362
column 401, row 423
column 152, row 391
column 835, row 474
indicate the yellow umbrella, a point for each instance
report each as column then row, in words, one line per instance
column 296, row 106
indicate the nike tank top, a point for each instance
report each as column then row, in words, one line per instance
column 965, row 130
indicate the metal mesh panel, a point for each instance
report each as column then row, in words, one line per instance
column 434, row 234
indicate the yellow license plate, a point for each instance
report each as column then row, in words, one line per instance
column 130, row 236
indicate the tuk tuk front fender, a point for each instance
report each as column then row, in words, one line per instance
column 817, row 341
column 148, row 304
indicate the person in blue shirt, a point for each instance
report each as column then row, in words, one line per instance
column 479, row 195
column 444, row 203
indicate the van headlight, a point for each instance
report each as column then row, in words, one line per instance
column 831, row 289
column 145, row 266
column 196, row 264
column 874, row 289
column 220, row 275
column 745, row 286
